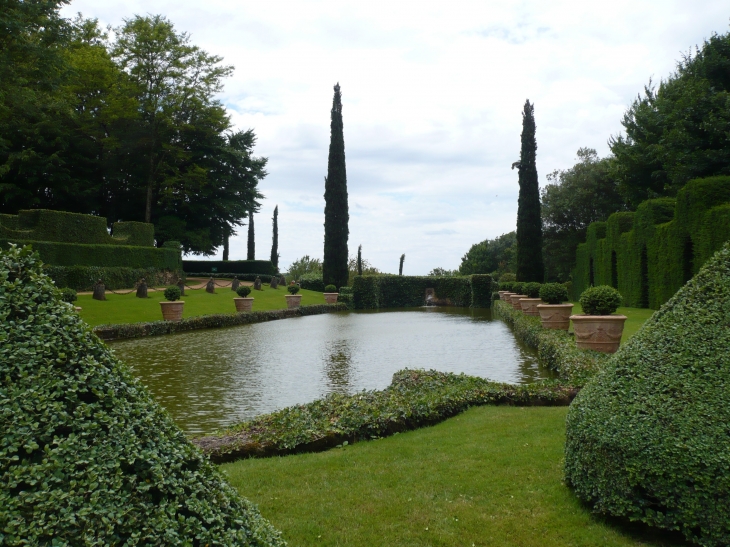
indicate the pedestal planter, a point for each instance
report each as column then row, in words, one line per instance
column 515, row 300
column 172, row 311
column 529, row 306
column 502, row 295
column 598, row 332
column 331, row 297
column 555, row 316
column 293, row 300
column 243, row 304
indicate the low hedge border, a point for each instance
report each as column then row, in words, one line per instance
column 83, row 278
column 158, row 328
column 236, row 266
column 415, row 398
column 265, row 278
column 556, row 349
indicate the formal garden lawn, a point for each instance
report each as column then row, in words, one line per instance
column 130, row 309
column 490, row 476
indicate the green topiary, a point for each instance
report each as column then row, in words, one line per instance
column 172, row 293
column 507, row 286
column 601, row 300
column 293, row 289
column 518, row 287
column 553, row 293
column 330, row 288
column 532, row 289
column 87, row 456
column 507, row 277
column 69, row 295
column 243, row 291
column 648, row 438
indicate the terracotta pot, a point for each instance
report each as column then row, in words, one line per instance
column 243, row 304
column 529, row 306
column 598, row 332
column 504, row 295
column 555, row 316
column 172, row 311
column 331, row 297
column 515, row 299
column 293, row 300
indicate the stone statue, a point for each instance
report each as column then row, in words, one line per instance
column 142, row 288
column 99, row 291
column 257, row 284
column 210, row 286
column 181, row 286
column 235, row 283
column 274, row 282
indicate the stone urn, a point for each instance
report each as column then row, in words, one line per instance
column 555, row 316
column 331, row 297
column 243, row 304
column 529, row 306
column 504, row 295
column 501, row 294
column 598, row 332
column 172, row 311
column 515, row 299
column 293, row 300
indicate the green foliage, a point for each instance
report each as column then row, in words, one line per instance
column 82, row 278
column 293, row 289
column 397, row 291
column 172, row 293
column 647, row 440
column 553, row 293
column 230, row 275
column 600, row 300
column 243, row 291
column 346, row 297
column 518, row 287
column 275, row 239
column 251, row 241
column 400, row 267
column 507, row 286
column 414, row 398
column 508, row 276
column 532, row 289
column 262, row 267
column 491, row 255
column 359, row 260
column 68, row 295
column 330, row 288
column 482, row 287
column 87, row 456
column 312, row 282
column 304, row 265
column 336, row 212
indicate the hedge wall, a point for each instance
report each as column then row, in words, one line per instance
column 648, row 255
column 265, row 278
column 647, row 438
column 231, row 266
column 400, row 291
column 312, row 282
column 82, row 278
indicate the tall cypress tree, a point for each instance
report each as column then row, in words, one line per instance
column 359, row 260
column 336, row 215
column 275, row 241
column 400, row 268
column 251, row 254
column 226, row 247
column 529, row 223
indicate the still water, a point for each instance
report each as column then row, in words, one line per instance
column 209, row 379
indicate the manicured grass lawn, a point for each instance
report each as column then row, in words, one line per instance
column 636, row 318
column 490, row 476
column 130, row 309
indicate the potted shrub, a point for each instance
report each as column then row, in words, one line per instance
column 330, row 294
column 293, row 299
column 172, row 310
column 529, row 304
column 554, row 314
column 243, row 303
column 599, row 329
column 517, row 293
column 505, row 288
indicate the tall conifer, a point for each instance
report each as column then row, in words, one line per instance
column 359, row 260
column 251, row 254
column 336, row 215
column 275, row 240
column 400, row 268
column 529, row 223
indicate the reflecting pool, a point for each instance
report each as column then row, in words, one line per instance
column 212, row 378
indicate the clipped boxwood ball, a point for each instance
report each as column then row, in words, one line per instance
column 172, row 293
column 532, row 289
column 243, row 291
column 553, row 293
column 87, row 456
column 69, row 295
column 648, row 438
column 293, row 289
column 330, row 288
column 600, row 300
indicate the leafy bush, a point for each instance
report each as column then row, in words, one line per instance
column 495, row 296
column 399, row 291
column 647, row 440
column 553, row 293
column 243, row 291
column 172, row 293
column 507, row 276
column 532, row 290
column 293, row 289
column 601, row 300
column 507, row 286
column 518, row 287
column 87, row 456
column 69, row 295
column 330, row 288
column 312, row 282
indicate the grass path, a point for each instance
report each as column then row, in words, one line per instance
column 491, row 476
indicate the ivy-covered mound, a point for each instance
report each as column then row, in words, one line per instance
column 87, row 457
column 649, row 437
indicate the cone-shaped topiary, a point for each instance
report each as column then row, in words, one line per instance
column 648, row 438
column 87, row 457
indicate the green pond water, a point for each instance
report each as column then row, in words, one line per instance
column 209, row 379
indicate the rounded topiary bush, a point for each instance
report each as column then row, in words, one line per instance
column 330, row 288
column 243, row 291
column 87, row 457
column 532, row 289
column 507, row 286
column 293, row 289
column 69, row 295
column 172, row 293
column 507, row 277
column 600, row 300
column 648, row 438
column 518, row 287
column 553, row 293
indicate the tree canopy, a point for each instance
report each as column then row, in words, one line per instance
column 496, row 255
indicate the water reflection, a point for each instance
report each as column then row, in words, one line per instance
column 210, row 379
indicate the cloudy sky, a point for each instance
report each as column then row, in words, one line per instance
column 432, row 95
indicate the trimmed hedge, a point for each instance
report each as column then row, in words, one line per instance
column 415, row 398
column 312, row 282
column 82, row 278
column 648, row 439
column 87, row 456
column 236, row 267
column 650, row 254
column 157, row 328
column 265, row 278
column 400, row 291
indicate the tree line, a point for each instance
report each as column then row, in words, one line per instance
column 122, row 123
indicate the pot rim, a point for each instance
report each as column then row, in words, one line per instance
column 167, row 302
column 612, row 317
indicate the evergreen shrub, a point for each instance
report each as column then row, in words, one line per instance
column 230, row 275
column 482, row 287
column 401, row 291
column 293, row 289
column 172, row 293
column 532, row 289
column 647, row 439
column 330, row 288
column 82, row 278
column 553, row 293
column 243, row 291
column 601, row 300
column 518, row 287
column 236, row 267
column 312, row 282
column 507, row 286
column 507, row 276
column 69, row 295
column 87, row 456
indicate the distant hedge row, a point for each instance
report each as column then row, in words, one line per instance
column 648, row 255
column 230, row 266
column 400, row 291
column 265, row 278
column 83, row 278
column 312, row 282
